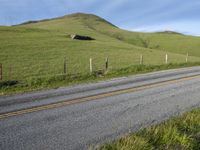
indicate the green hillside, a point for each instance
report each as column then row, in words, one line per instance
column 38, row 48
column 167, row 41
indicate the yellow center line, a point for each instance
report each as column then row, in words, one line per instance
column 93, row 97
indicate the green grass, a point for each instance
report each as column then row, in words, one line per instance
column 91, row 24
column 28, row 52
column 36, row 50
column 179, row 133
column 56, row 81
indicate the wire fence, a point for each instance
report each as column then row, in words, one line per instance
column 66, row 66
column 71, row 66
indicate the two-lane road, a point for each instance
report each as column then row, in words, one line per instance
column 79, row 116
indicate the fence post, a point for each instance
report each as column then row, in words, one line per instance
column 1, row 72
column 65, row 65
column 187, row 57
column 106, row 64
column 90, row 65
column 141, row 59
column 10, row 72
column 166, row 59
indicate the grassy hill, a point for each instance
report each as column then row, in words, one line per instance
column 167, row 41
column 37, row 48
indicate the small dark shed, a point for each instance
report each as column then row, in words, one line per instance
column 81, row 37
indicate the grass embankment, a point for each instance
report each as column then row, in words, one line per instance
column 52, row 81
column 180, row 133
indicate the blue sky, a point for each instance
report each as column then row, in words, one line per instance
column 137, row 15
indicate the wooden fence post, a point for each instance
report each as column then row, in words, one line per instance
column 1, row 72
column 187, row 57
column 166, row 59
column 91, row 66
column 65, row 65
column 141, row 60
column 106, row 67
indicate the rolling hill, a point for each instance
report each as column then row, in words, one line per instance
column 37, row 48
column 167, row 41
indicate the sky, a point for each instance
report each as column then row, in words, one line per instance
column 136, row 15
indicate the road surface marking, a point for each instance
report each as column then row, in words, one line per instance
column 94, row 97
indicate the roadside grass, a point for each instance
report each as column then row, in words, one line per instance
column 56, row 81
column 179, row 133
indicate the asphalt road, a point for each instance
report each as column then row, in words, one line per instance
column 77, row 117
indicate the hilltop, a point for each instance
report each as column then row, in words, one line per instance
column 170, row 32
